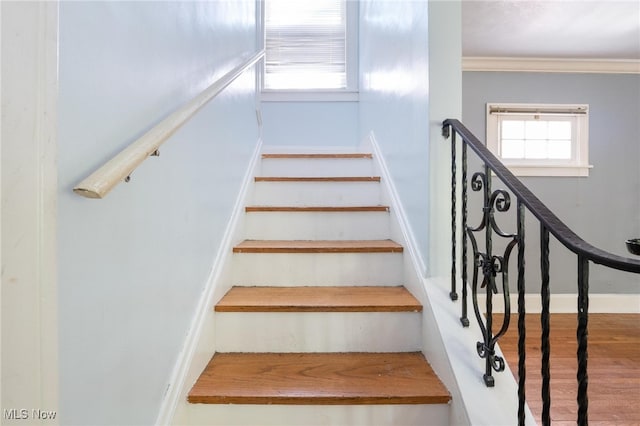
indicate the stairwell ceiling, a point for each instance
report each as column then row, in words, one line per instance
column 562, row 29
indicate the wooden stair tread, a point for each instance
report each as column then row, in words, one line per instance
column 318, row 155
column 250, row 209
column 317, row 179
column 319, row 299
column 318, row 246
column 319, row 378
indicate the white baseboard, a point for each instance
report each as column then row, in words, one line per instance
column 568, row 303
column 397, row 211
column 178, row 385
column 433, row 337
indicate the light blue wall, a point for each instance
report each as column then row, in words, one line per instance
column 133, row 265
column 445, row 101
column 394, row 100
column 311, row 124
column 602, row 208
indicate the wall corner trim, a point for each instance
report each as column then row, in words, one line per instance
column 29, row 279
column 555, row 65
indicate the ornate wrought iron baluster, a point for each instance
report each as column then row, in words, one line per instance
column 464, row 318
column 489, row 276
column 478, row 183
column 582, row 334
column 490, row 266
column 453, row 294
column 544, row 319
column 522, row 369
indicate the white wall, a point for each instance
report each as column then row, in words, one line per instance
column 394, row 100
column 132, row 266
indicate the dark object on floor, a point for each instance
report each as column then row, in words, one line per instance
column 633, row 245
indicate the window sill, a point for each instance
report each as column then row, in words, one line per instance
column 308, row 96
column 549, row 170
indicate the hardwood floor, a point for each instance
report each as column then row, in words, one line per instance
column 614, row 367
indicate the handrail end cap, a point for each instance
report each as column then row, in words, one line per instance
column 87, row 193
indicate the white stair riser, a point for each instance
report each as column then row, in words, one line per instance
column 317, row 225
column 317, row 194
column 318, row 415
column 317, row 167
column 318, row 331
column 317, row 269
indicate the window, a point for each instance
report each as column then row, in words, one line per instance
column 540, row 140
column 310, row 47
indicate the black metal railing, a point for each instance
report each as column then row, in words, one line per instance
column 491, row 270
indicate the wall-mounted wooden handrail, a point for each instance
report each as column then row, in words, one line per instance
column 120, row 167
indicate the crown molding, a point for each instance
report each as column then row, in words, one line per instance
column 600, row 66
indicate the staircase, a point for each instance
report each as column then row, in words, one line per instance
column 318, row 328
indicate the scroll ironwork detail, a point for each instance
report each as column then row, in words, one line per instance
column 490, row 271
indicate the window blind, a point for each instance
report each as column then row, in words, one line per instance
column 305, row 44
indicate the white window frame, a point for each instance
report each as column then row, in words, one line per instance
column 349, row 94
column 577, row 165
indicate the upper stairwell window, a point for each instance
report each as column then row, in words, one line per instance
column 540, row 139
column 310, row 50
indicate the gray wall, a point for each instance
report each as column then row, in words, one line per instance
column 604, row 208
